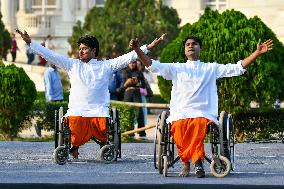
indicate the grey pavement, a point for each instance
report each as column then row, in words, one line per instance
column 30, row 165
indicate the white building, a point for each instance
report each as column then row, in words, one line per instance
column 43, row 17
column 57, row 17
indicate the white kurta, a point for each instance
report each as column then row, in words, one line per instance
column 89, row 94
column 194, row 90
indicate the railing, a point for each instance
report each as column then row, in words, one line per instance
column 37, row 21
column 142, row 105
column 147, row 105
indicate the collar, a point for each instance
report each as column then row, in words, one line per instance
column 92, row 61
column 51, row 69
column 193, row 62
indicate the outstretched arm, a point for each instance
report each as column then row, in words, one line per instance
column 52, row 57
column 156, row 42
column 134, row 44
column 261, row 49
column 122, row 61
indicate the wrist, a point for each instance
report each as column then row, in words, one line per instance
column 149, row 47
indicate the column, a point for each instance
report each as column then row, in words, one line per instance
column 84, row 5
column 6, row 8
column 22, row 7
column 67, row 9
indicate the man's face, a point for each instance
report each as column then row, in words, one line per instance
column 86, row 53
column 192, row 49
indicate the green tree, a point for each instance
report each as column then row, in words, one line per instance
column 17, row 94
column 229, row 37
column 5, row 40
column 120, row 20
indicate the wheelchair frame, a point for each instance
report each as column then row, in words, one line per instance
column 222, row 145
column 62, row 135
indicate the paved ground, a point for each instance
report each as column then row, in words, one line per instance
column 30, row 165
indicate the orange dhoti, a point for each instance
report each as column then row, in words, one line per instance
column 189, row 135
column 84, row 128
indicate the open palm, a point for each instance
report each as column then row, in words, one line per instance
column 264, row 47
column 25, row 36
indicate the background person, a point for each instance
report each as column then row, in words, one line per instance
column 30, row 55
column 116, row 86
column 133, row 82
column 14, row 47
column 52, row 84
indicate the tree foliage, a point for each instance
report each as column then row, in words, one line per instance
column 5, row 40
column 120, row 20
column 227, row 38
column 17, row 94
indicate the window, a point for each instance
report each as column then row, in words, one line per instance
column 38, row 5
column 51, row 2
column 217, row 4
column 100, row 2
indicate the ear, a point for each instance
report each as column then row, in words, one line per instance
column 94, row 50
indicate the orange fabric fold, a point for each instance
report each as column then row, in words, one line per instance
column 84, row 128
column 189, row 135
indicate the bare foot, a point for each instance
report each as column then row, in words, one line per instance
column 185, row 170
column 74, row 152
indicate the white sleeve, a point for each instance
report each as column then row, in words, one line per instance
column 123, row 61
column 166, row 70
column 52, row 57
column 230, row 70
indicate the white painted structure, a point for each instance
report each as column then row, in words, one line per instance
column 43, row 17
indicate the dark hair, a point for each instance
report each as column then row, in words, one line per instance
column 195, row 38
column 91, row 42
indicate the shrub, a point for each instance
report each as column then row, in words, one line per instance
column 257, row 124
column 17, row 94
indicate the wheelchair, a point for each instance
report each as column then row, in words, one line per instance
column 222, row 146
column 62, row 135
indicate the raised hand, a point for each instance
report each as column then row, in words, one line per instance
column 156, row 41
column 264, row 47
column 134, row 43
column 25, row 36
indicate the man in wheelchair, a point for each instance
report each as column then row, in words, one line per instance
column 194, row 100
column 89, row 97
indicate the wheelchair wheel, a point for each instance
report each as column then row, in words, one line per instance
column 156, row 142
column 227, row 140
column 161, row 141
column 231, row 141
column 56, row 127
column 61, row 155
column 220, row 167
column 108, row 153
column 165, row 166
column 117, row 132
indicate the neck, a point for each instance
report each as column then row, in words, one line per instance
column 193, row 57
column 85, row 60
